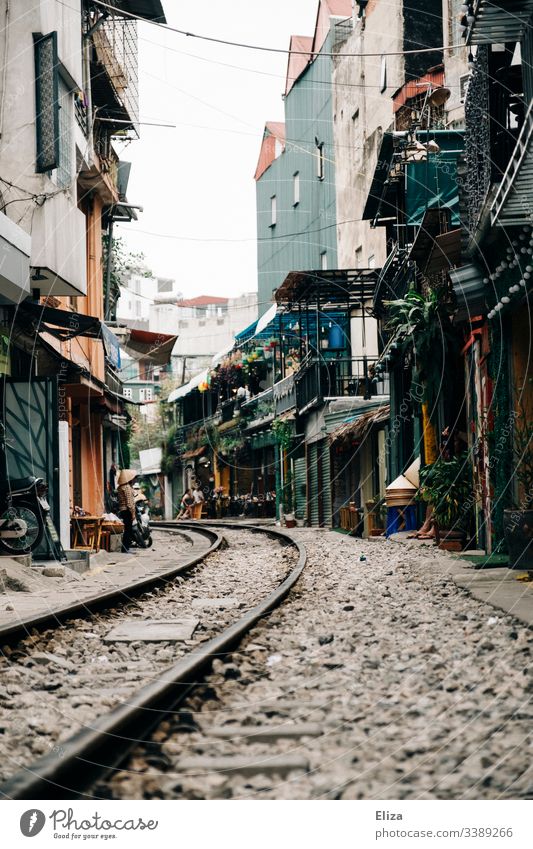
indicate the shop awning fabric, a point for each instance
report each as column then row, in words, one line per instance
column 144, row 345
column 65, row 324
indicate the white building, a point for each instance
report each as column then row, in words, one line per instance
column 138, row 293
column 204, row 325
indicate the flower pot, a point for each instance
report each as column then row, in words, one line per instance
column 290, row 520
column 450, row 539
column 518, row 530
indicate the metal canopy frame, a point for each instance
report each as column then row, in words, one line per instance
column 499, row 22
column 335, row 288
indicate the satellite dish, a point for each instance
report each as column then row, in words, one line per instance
column 439, row 96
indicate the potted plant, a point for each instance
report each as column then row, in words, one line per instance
column 446, row 485
column 422, row 325
column 518, row 523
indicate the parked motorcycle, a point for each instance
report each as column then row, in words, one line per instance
column 23, row 512
column 141, row 531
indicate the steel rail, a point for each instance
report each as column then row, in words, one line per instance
column 16, row 631
column 94, row 751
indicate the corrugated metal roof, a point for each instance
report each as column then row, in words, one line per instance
column 296, row 63
column 274, row 132
column 412, row 88
column 202, row 301
column 496, row 23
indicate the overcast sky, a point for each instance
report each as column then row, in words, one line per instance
column 195, row 182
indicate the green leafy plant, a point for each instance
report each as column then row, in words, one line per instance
column 282, row 431
column 423, row 326
column 287, row 493
column 447, row 486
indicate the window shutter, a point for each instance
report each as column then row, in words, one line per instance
column 46, row 102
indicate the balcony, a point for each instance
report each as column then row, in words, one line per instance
column 320, row 379
column 341, row 31
column 114, row 74
column 284, row 393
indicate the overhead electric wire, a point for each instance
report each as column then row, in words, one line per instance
column 262, row 48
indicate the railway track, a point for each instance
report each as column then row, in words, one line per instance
column 76, row 761
column 203, row 541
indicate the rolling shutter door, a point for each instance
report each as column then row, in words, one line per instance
column 325, row 495
column 300, row 487
column 313, row 484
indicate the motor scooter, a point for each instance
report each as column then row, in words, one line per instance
column 23, row 514
column 141, row 531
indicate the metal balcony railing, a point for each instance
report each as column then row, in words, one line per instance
column 341, row 31
column 116, row 46
column 320, row 379
column 284, row 395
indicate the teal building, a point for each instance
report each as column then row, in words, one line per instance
column 295, row 175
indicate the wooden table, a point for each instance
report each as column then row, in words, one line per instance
column 80, row 528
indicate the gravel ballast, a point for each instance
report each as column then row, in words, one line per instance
column 59, row 681
column 420, row 691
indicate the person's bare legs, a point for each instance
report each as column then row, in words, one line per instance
column 427, row 531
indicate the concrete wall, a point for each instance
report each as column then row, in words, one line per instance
column 455, row 61
column 361, row 113
column 52, row 247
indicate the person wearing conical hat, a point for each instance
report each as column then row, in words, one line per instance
column 126, row 506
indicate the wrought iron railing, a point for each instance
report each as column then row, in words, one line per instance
column 284, row 395
column 346, row 377
column 341, row 31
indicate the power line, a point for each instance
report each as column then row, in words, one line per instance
column 309, row 83
column 246, row 46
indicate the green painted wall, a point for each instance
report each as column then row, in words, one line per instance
column 304, row 231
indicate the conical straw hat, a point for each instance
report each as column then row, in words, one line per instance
column 126, row 475
column 412, row 473
column 402, row 483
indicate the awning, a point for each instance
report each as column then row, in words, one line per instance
column 499, row 22
column 66, row 324
column 339, row 286
column 246, row 334
column 357, row 428
column 193, row 383
column 150, row 10
column 221, row 354
column 266, row 318
column 144, row 345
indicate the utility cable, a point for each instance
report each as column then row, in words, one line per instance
column 247, row 46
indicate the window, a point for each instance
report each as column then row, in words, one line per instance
column 371, row 261
column 127, row 391
column 47, row 102
column 383, row 74
column 63, row 175
column 273, row 211
column 359, row 257
column 323, row 260
column 320, row 160
column 146, row 394
column 296, row 188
